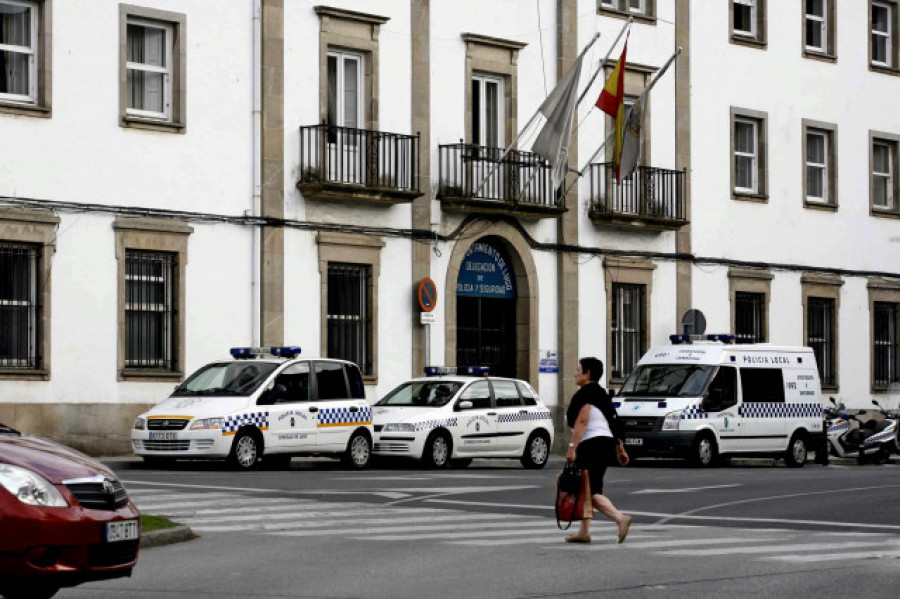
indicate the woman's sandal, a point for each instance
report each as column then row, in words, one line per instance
column 578, row 539
column 623, row 530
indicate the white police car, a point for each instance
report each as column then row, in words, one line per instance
column 266, row 404
column 445, row 418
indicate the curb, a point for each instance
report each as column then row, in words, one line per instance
column 166, row 536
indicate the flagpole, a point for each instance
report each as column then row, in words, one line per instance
column 587, row 164
column 530, row 121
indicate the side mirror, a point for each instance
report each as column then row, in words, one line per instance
column 875, row 402
column 831, row 399
column 464, row 405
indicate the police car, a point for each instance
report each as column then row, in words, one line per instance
column 445, row 418
column 266, row 404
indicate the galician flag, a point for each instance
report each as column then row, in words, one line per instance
column 612, row 102
column 552, row 143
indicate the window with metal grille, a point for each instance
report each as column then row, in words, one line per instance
column 20, row 306
column 884, row 337
column 626, row 328
column 350, row 314
column 150, row 310
column 820, row 336
column 749, row 317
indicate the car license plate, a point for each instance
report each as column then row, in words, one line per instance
column 633, row 441
column 125, row 530
column 163, row 436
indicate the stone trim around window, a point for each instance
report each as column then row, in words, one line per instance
column 828, row 287
column 830, row 52
column 357, row 32
column 831, row 134
column 880, row 290
column 894, row 67
column 762, row 159
column 178, row 22
column 621, row 10
column 33, row 226
column 349, row 248
column 161, row 235
column 494, row 56
column 43, row 104
column 760, row 39
column 893, row 140
column 630, row 271
column 749, row 280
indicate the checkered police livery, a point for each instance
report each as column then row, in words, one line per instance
column 343, row 416
column 694, row 413
column 780, row 410
column 432, row 424
column 234, row 423
column 526, row 417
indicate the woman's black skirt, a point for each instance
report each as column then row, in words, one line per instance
column 594, row 455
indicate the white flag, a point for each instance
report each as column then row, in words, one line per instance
column 552, row 143
column 631, row 138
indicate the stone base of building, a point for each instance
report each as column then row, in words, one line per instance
column 97, row 429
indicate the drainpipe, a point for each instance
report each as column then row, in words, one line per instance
column 256, row 209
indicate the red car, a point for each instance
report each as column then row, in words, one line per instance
column 65, row 518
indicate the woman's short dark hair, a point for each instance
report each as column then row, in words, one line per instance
column 593, row 367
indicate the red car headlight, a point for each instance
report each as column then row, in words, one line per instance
column 30, row 487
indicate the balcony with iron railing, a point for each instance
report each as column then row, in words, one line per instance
column 476, row 178
column 343, row 163
column 651, row 198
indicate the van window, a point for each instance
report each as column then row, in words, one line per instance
column 478, row 393
column 506, row 394
column 357, row 391
column 330, row 380
column 666, row 380
column 725, row 381
column 762, row 385
column 295, row 379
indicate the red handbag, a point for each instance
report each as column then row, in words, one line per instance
column 573, row 496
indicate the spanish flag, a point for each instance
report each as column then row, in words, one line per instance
column 612, row 102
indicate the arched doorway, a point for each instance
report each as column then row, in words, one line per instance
column 486, row 308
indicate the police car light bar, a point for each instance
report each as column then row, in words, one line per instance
column 679, row 339
column 478, row 370
column 243, row 353
column 724, row 338
column 439, row 370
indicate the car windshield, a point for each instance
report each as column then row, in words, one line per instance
column 666, row 380
column 5, row 430
column 429, row 394
column 226, row 378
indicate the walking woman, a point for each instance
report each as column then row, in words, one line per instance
column 596, row 436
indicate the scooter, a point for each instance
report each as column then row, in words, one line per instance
column 895, row 416
column 872, row 440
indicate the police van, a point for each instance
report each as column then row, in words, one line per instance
column 449, row 418
column 710, row 398
column 265, row 405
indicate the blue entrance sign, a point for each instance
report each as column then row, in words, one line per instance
column 485, row 273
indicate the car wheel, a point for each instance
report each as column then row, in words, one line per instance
column 359, row 451
column 796, row 453
column 537, row 451
column 461, row 462
column 246, row 450
column 437, row 451
column 704, row 451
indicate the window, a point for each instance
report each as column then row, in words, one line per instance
column 819, row 26
column 882, row 42
column 330, row 381
column 749, row 317
column 478, row 393
column 643, row 10
column 487, row 111
column 820, row 337
column 763, row 385
column 345, row 90
column 153, row 66
column 723, row 388
column 748, row 22
column 296, row 383
column 506, row 394
column 884, row 178
column 18, row 51
column 150, row 310
column 748, row 139
column 626, row 325
column 527, row 394
column 349, row 314
column 20, row 306
column 884, row 338
column 819, row 158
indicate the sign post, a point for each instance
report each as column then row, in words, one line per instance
column 427, row 296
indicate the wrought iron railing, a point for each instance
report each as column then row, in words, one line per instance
column 359, row 157
column 475, row 172
column 649, row 193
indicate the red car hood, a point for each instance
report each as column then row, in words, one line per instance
column 51, row 460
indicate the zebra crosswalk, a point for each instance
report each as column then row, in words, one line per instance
column 216, row 512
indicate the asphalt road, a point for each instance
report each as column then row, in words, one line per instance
column 317, row 530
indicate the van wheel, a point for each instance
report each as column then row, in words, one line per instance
column 537, row 451
column 704, row 453
column 246, row 450
column 796, row 453
column 437, row 451
column 359, row 451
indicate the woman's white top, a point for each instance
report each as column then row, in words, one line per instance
column 597, row 425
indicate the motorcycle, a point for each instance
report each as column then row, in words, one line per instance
column 872, row 440
column 893, row 415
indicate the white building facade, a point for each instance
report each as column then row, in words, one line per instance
column 197, row 175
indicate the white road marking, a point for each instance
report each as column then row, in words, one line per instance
column 833, row 557
column 477, row 527
column 319, row 523
column 558, row 537
column 684, row 490
column 678, row 543
column 780, row 548
column 456, row 535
